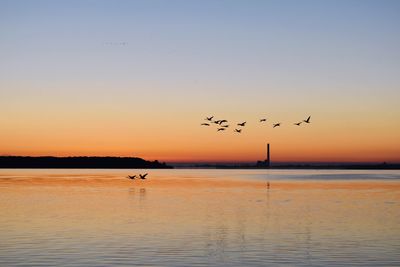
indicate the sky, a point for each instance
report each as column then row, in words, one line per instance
column 137, row 78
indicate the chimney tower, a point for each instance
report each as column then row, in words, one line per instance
column 268, row 160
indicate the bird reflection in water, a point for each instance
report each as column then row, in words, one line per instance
column 142, row 193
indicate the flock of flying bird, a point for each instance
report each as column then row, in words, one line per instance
column 222, row 124
column 141, row 176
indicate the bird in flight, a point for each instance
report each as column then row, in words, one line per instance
column 262, row 120
column 222, row 121
column 297, row 123
column 131, row 177
column 143, row 176
column 276, row 125
column 221, row 129
column 225, row 126
column 238, row 130
column 209, row 118
column 242, row 124
column 205, row 124
column 217, row 122
column 307, row 120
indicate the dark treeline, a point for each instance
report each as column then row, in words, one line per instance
column 80, row 162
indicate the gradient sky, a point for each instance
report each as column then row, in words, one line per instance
column 136, row 78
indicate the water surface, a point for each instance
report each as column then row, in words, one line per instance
column 199, row 218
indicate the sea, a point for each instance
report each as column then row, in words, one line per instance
column 199, row 217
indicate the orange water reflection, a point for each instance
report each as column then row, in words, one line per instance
column 181, row 221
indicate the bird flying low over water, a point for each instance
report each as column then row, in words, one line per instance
column 205, row 124
column 297, row 123
column 262, row 120
column 209, row 118
column 242, row 124
column 221, row 129
column 307, row 120
column 131, row 177
column 238, row 130
column 276, row 125
column 143, row 176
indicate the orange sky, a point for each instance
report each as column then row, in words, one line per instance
column 175, row 136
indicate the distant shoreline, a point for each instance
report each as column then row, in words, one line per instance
column 306, row 166
column 50, row 162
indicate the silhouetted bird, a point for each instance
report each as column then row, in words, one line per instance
column 216, row 122
column 238, row 130
column 298, row 123
column 131, row 177
column 209, row 118
column 262, row 120
column 307, row 120
column 276, row 125
column 143, row 176
column 242, row 124
column 221, row 129
column 205, row 124
column 222, row 121
column 225, row 126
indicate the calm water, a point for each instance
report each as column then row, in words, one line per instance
column 199, row 218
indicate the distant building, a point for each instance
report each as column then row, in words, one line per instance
column 265, row 163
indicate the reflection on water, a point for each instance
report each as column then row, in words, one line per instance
column 199, row 217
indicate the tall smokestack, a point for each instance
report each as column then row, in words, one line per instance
column 268, row 161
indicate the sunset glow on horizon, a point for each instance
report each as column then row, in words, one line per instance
column 137, row 78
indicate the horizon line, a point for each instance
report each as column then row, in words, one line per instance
column 219, row 162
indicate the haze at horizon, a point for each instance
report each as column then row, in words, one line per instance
column 137, row 79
